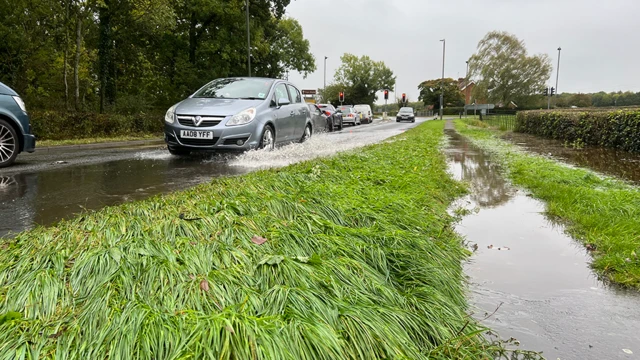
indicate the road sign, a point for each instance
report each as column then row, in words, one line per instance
column 309, row 92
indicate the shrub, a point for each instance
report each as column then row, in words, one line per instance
column 56, row 125
column 612, row 129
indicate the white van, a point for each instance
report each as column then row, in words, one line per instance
column 367, row 114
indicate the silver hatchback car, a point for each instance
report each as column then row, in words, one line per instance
column 238, row 114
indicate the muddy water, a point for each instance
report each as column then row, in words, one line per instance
column 607, row 161
column 551, row 300
column 50, row 196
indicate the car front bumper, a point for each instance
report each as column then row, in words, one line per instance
column 229, row 138
column 29, row 142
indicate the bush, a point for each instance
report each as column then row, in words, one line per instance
column 612, row 129
column 56, row 125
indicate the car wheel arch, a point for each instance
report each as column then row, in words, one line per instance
column 17, row 128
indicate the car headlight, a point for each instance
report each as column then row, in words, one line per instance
column 243, row 117
column 20, row 103
column 170, row 117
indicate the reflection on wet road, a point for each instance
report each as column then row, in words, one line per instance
column 552, row 300
column 617, row 163
column 40, row 191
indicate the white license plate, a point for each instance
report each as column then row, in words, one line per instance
column 192, row 134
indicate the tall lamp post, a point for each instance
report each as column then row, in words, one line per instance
column 248, row 39
column 557, row 74
column 324, row 89
column 444, row 43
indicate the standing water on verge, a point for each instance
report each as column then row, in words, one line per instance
column 551, row 300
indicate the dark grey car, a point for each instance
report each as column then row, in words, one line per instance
column 238, row 114
column 406, row 114
column 15, row 127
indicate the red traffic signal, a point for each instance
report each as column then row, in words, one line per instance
column 341, row 96
column 404, row 98
column 386, row 94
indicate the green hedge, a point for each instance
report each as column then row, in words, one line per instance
column 56, row 125
column 612, row 129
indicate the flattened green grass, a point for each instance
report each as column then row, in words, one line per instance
column 360, row 262
column 599, row 211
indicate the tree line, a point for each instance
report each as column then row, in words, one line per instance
column 134, row 55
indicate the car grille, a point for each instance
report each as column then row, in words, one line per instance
column 200, row 142
column 207, row 121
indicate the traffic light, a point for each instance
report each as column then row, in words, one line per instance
column 553, row 91
column 341, row 96
column 546, row 92
column 404, row 98
column 386, row 94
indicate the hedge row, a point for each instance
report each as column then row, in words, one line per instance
column 612, row 129
column 56, row 125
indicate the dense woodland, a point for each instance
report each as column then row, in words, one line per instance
column 128, row 56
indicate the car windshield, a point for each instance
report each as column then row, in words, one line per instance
column 346, row 110
column 406, row 110
column 236, row 88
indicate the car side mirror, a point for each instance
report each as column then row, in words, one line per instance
column 283, row 102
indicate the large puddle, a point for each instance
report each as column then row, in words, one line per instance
column 551, row 300
column 617, row 163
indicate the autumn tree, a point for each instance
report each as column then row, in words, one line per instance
column 504, row 72
column 430, row 91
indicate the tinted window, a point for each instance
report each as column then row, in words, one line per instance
column 406, row 110
column 236, row 88
column 295, row 94
column 281, row 92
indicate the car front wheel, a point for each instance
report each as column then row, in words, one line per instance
column 267, row 140
column 8, row 144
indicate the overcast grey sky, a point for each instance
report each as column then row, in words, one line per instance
column 599, row 38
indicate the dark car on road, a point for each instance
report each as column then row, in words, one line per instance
column 406, row 114
column 15, row 127
column 319, row 120
column 238, row 114
column 334, row 116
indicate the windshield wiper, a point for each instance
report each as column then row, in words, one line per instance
column 251, row 98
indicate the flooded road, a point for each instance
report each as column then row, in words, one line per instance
column 551, row 300
column 617, row 163
column 50, row 186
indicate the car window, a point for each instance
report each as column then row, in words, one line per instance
column 295, row 94
column 281, row 92
column 236, row 88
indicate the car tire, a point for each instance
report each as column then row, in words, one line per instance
column 414, row 120
column 9, row 144
column 306, row 135
column 341, row 125
column 177, row 151
column 267, row 138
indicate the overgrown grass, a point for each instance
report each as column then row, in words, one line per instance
column 603, row 213
column 98, row 140
column 360, row 262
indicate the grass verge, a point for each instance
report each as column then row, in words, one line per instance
column 601, row 212
column 100, row 140
column 351, row 257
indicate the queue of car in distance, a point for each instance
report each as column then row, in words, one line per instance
column 15, row 127
column 238, row 114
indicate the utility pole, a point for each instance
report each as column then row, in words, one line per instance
column 248, row 39
column 557, row 74
column 466, row 89
column 444, row 43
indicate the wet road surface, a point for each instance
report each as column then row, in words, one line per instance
column 552, row 301
column 40, row 191
column 617, row 163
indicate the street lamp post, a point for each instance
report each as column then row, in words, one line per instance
column 558, row 73
column 444, row 42
column 248, row 39
column 466, row 89
column 324, row 89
